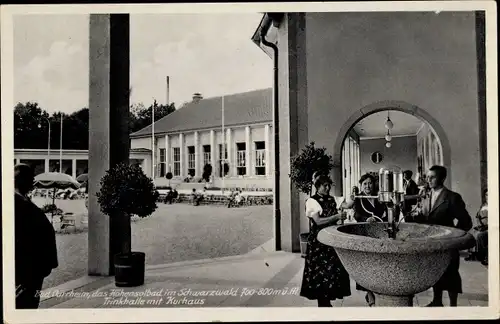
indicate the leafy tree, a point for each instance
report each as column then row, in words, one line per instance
column 142, row 116
column 76, row 135
column 30, row 126
column 126, row 191
column 310, row 161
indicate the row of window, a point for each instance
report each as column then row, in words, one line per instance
column 241, row 160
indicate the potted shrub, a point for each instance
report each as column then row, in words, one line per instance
column 126, row 191
column 169, row 177
column 312, row 160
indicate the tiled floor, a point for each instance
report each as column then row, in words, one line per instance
column 274, row 276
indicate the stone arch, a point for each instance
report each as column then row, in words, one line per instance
column 384, row 106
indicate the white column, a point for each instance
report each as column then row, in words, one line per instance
column 47, row 164
column 197, row 155
column 212, row 151
column 213, row 159
column 181, row 145
column 248, row 141
column 73, row 168
column 109, row 137
column 229, row 145
column 268, row 150
column 167, row 154
column 157, row 156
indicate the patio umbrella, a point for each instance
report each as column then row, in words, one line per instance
column 55, row 180
column 84, row 177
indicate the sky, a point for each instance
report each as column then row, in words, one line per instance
column 207, row 53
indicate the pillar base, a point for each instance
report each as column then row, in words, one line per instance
column 393, row 301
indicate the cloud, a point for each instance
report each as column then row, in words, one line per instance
column 216, row 58
column 211, row 54
column 57, row 81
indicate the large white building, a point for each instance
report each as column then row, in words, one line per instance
column 74, row 162
column 192, row 137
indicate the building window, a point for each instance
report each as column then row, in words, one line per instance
column 207, row 157
column 260, row 158
column 222, row 158
column 220, row 152
column 241, row 159
column 162, row 167
column 177, row 161
column 191, row 161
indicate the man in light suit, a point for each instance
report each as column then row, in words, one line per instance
column 441, row 207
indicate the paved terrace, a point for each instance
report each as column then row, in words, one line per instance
column 277, row 275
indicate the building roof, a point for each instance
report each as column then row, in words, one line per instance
column 239, row 109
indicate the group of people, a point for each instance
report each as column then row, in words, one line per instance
column 325, row 279
column 171, row 195
column 235, row 199
column 197, row 197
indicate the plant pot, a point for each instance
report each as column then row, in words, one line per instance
column 129, row 269
column 303, row 244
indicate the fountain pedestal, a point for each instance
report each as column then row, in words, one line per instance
column 393, row 301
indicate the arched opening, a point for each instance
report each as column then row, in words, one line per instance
column 416, row 140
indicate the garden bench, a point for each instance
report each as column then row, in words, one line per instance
column 67, row 220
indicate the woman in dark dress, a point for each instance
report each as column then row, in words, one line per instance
column 367, row 210
column 324, row 278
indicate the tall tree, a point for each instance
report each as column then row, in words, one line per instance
column 142, row 114
column 30, row 126
column 76, row 130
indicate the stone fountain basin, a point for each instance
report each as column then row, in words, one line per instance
column 406, row 266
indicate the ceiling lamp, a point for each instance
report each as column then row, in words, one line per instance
column 388, row 144
column 388, row 123
column 388, row 137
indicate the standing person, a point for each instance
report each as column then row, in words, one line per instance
column 35, row 242
column 411, row 189
column 441, row 207
column 324, row 278
column 367, row 210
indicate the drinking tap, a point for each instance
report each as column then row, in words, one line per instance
column 391, row 223
column 360, row 197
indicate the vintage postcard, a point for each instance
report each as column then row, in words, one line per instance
column 239, row 161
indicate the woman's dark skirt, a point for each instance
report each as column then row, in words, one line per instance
column 324, row 275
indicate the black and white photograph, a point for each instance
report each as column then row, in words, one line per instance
column 246, row 161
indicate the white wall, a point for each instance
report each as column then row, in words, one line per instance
column 402, row 153
column 140, row 143
column 237, row 135
column 204, row 137
column 421, row 58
